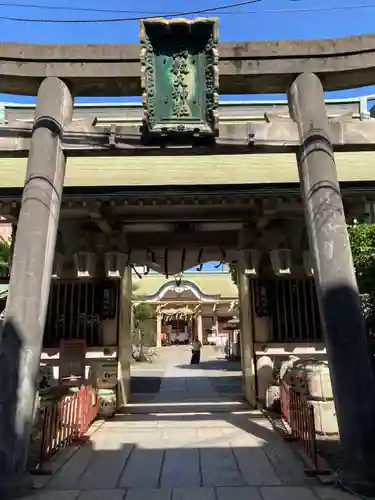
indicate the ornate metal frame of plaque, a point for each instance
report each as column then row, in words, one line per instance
column 180, row 77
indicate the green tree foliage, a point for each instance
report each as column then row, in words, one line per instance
column 362, row 242
column 142, row 311
column 233, row 269
column 5, row 251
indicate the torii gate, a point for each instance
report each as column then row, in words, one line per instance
column 58, row 73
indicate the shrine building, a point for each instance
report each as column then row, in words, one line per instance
column 197, row 305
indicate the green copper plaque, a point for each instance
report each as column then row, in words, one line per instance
column 180, row 78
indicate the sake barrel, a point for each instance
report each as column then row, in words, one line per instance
column 313, row 379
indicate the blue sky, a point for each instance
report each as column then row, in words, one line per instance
column 235, row 24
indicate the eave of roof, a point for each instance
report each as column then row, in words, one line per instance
column 189, row 170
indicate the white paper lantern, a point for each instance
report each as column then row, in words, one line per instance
column 281, row 260
column 252, row 260
column 308, row 263
column 58, row 264
column 115, row 263
column 85, row 264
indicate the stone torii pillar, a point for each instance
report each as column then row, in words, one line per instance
column 345, row 335
column 22, row 335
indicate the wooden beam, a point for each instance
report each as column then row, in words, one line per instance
column 102, row 215
column 274, row 136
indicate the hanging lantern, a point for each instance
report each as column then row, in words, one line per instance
column 115, row 263
column 281, row 260
column 252, row 259
column 308, row 263
column 85, row 264
column 58, row 264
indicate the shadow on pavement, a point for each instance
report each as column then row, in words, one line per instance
column 216, row 365
column 183, row 456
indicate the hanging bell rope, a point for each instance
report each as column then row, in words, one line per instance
column 200, row 255
column 223, row 258
column 147, row 270
column 178, row 279
column 136, row 272
column 183, row 258
column 128, row 260
column 151, row 256
column 166, row 263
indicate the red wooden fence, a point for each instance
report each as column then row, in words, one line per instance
column 299, row 414
column 65, row 421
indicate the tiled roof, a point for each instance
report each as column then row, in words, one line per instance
column 188, row 170
column 209, row 283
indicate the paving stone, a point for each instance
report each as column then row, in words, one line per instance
column 289, row 467
column 329, row 493
column 255, row 467
column 142, row 494
column 139, row 434
column 102, row 495
column 143, row 469
column 149, row 444
column 53, row 495
column 54, row 465
column 194, row 494
column 195, row 445
column 211, row 437
column 287, row 493
column 245, row 440
column 181, row 468
column 219, row 468
column 171, row 433
column 105, row 469
column 239, row 494
column 67, row 477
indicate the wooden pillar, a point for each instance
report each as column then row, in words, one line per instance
column 29, row 286
column 345, row 335
column 247, row 334
column 124, row 353
column 159, row 330
column 200, row 326
column 215, row 321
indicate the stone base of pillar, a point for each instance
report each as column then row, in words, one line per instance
column 17, row 487
column 350, row 482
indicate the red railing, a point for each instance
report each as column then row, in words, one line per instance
column 65, row 421
column 299, row 414
column 285, row 400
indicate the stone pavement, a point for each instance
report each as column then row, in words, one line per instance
column 186, row 443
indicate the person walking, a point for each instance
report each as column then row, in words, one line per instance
column 196, row 352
